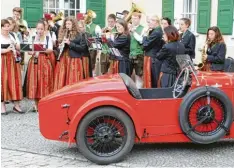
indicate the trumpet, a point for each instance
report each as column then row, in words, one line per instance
column 62, row 45
column 107, row 30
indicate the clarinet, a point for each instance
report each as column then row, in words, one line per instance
column 62, row 45
column 36, row 53
column 17, row 59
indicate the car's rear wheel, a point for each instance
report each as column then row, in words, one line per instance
column 206, row 115
column 105, row 135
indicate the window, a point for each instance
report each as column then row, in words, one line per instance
column 68, row 7
column 190, row 11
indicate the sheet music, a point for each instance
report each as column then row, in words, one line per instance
column 116, row 52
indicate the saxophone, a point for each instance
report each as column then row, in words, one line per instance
column 203, row 64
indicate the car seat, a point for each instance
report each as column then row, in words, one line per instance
column 131, row 86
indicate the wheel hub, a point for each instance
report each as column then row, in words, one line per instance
column 104, row 133
column 206, row 111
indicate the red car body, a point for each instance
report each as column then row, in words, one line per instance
column 155, row 120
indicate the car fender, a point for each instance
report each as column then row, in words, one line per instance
column 99, row 102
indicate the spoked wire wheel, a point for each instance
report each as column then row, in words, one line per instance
column 204, row 118
column 206, row 115
column 105, row 136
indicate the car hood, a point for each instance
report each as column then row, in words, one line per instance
column 105, row 83
column 216, row 78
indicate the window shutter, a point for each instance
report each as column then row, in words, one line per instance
column 168, row 9
column 225, row 16
column 203, row 18
column 33, row 11
column 99, row 7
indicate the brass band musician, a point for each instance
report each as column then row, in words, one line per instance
column 121, row 42
column 23, row 25
column 39, row 81
column 214, row 51
column 11, row 81
column 152, row 43
column 96, row 31
column 187, row 37
column 136, row 50
column 110, row 29
column 69, row 68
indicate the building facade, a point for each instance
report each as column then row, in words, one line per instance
column 203, row 13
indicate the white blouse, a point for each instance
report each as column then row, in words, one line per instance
column 53, row 36
column 9, row 40
column 44, row 41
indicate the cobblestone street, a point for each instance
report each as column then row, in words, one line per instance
column 15, row 158
column 24, row 146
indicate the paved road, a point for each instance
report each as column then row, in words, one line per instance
column 23, row 145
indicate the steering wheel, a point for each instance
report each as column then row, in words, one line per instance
column 181, row 83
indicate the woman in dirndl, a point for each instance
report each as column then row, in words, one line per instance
column 11, row 80
column 120, row 62
column 39, row 81
column 69, row 69
column 53, row 37
column 170, row 67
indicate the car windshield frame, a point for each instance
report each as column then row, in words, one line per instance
column 185, row 61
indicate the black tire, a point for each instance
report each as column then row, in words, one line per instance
column 194, row 108
column 88, row 123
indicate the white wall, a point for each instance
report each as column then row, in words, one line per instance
column 7, row 6
column 149, row 7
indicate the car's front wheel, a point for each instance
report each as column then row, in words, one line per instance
column 105, row 135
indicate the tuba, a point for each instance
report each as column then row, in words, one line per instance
column 58, row 17
column 134, row 8
column 90, row 15
column 21, row 26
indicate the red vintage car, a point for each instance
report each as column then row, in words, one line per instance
column 106, row 115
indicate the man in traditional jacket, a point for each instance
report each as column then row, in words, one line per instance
column 95, row 31
column 111, row 20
